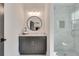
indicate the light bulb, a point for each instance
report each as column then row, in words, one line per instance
column 36, row 13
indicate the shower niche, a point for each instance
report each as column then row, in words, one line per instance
column 34, row 35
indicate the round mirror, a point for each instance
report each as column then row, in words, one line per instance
column 34, row 23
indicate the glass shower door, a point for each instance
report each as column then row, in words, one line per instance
column 75, row 28
column 66, row 29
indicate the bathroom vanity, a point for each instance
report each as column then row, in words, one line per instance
column 32, row 45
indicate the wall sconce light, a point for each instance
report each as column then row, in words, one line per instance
column 32, row 13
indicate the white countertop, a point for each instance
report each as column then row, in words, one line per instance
column 33, row 34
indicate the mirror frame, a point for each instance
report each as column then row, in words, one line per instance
column 32, row 17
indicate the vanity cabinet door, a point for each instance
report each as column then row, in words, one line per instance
column 32, row 45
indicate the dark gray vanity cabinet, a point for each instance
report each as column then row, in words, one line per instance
column 32, row 45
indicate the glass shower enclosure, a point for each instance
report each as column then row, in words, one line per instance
column 66, row 29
